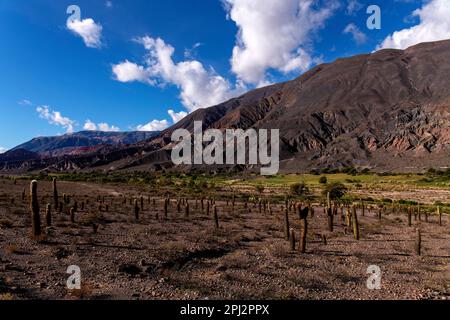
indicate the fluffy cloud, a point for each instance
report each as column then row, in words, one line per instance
column 199, row 87
column 91, row 126
column 155, row 125
column 177, row 116
column 55, row 118
column 87, row 29
column 434, row 25
column 357, row 34
column 159, row 125
column 108, row 4
column 273, row 35
column 128, row 72
column 107, row 128
column 2, row 150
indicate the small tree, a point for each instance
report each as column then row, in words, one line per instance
column 336, row 189
column 323, row 180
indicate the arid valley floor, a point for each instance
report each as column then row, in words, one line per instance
column 185, row 256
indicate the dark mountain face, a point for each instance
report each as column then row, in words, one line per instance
column 82, row 142
column 389, row 110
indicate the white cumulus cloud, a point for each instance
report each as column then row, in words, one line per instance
column 273, row 34
column 56, row 118
column 434, row 25
column 177, row 116
column 155, row 125
column 128, row 71
column 87, row 29
column 91, row 126
column 200, row 87
column 357, row 34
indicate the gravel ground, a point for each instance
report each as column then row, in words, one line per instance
column 181, row 257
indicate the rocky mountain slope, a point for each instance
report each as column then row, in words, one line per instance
column 389, row 110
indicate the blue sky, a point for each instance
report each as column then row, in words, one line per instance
column 141, row 65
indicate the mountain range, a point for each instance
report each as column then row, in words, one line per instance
column 386, row 111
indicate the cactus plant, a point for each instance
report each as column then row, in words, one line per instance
column 286, row 224
column 418, row 244
column 48, row 215
column 330, row 218
column 409, row 217
column 355, row 223
column 186, row 210
column 166, row 203
column 439, row 213
column 34, row 208
column 303, row 233
column 216, row 217
column 292, row 239
column 72, row 215
column 136, row 209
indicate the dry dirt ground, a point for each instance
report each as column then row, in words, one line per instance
column 181, row 257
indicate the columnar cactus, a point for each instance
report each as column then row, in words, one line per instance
column 409, row 217
column 418, row 244
column 355, row 224
column 303, row 233
column 166, row 203
column 330, row 218
column 136, row 209
column 348, row 217
column 286, row 224
column 72, row 215
column 23, row 194
column 291, row 237
column 439, row 213
column 55, row 194
column 48, row 215
column 216, row 217
column 207, row 208
column 186, row 210
column 34, row 208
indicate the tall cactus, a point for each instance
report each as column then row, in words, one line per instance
column 418, row 244
column 409, row 217
column 303, row 229
column 34, row 208
column 166, row 203
column 48, row 215
column 439, row 213
column 55, row 194
column 292, row 239
column 186, row 210
column 136, row 209
column 330, row 218
column 216, row 217
column 286, row 224
column 355, row 224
